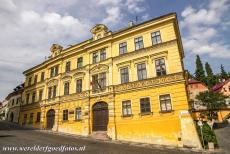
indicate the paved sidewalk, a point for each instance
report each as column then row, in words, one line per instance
column 223, row 137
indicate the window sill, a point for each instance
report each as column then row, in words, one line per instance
column 37, row 122
column 169, row 111
column 128, row 115
column 78, row 120
column 146, row 113
column 64, row 121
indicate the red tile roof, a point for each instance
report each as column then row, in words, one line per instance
column 218, row 86
column 192, row 81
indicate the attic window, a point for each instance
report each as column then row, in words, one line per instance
column 98, row 36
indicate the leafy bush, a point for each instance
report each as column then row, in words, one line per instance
column 208, row 135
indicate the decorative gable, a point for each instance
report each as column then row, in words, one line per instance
column 99, row 31
column 55, row 50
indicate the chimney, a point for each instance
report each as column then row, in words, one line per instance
column 131, row 23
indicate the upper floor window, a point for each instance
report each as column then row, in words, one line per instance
column 33, row 97
column 42, row 76
column 40, row 95
column 145, row 105
column 12, row 102
column 54, row 71
column 18, row 100
column 78, row 113
column 79, row 86
column 165, row 103
column 67, row 66
column 27, row 98
column 95, row 58
column 160, row 67
column 122, row 48
column 79, row 62
column 99, row 81
column 38, row 117
column 66, row 88
column 52, row 92
column 141, row 71
column 30, row 80
column 35, row 79
column 124, row 75
column 102, row 54
column 65, row 115
column 156, row 37
column 126, row 108
column 139, row 43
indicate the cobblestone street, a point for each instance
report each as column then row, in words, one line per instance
column 15, row 136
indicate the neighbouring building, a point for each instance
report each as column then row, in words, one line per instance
column 194, row 88
column 129, row 84
column 4, row 110
column 14, row 101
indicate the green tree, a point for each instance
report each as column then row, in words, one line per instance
column 190, row 76
column 199, row 73
column 211, row 78
column 223, row 73
column 212, row 101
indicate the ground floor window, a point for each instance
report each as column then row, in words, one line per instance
column 78, row 114
column 145, row 105
column 38, row 117
column 165, row 103
column 31, row 118
column 126, row 108
column 65, row 115
column 24, row 119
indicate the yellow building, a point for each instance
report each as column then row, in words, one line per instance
column 129, row 84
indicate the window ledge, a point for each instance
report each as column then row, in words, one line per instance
column 65, row 121
column 37, row 121
column 146, row 113
column 128, row 115
column 78, row 120
column 169, row 111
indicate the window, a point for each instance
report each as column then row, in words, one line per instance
column 35, row 79
column 139, row 43
column 54, row 91
column 31, row 118
column 78, row 114
column 126, row 108
column 65, row 115
column 38, row 117
column 18, row 100
column 160, row 67
column 156, row 37
column 79, row 86
column 29, row 82
column 27, row 98
column 99, row 81
column 122, row 48
column 49, row 92
column 145, row 105
column 102, row 54
column 165, row 103
column 40, row 95
column 33, row 97
column 12, row 102
column 95, row 58
column 66, row 88
column 54, row 71
column 67, row 66
column 24, row 119
column 124, row 75
column 79, row 62
column 141, row 71
column 42, row 76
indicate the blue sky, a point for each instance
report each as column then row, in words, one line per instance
column 30, row 27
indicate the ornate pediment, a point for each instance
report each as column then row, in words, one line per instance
column 99, row 68
column 99, row 31
column 56, row 49
column 66, row 77
column 79, row 75
column 52, row 82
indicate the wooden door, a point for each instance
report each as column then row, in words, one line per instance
column 100, row 116
column 50, row 117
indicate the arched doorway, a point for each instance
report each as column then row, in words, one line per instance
column 100, row 116
column 11, row 117
column 50, row 117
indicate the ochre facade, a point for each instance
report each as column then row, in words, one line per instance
column 130, row 84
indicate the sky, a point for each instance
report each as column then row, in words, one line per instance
column 29, row 28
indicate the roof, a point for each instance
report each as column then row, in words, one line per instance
column 113, row 33
column 192, row 81
column 218, row 86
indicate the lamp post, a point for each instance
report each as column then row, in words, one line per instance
column 200, row 124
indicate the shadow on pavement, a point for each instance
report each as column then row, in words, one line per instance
column 5, row 125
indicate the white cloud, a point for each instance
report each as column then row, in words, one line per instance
column 202, row 27
column 29, row 28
